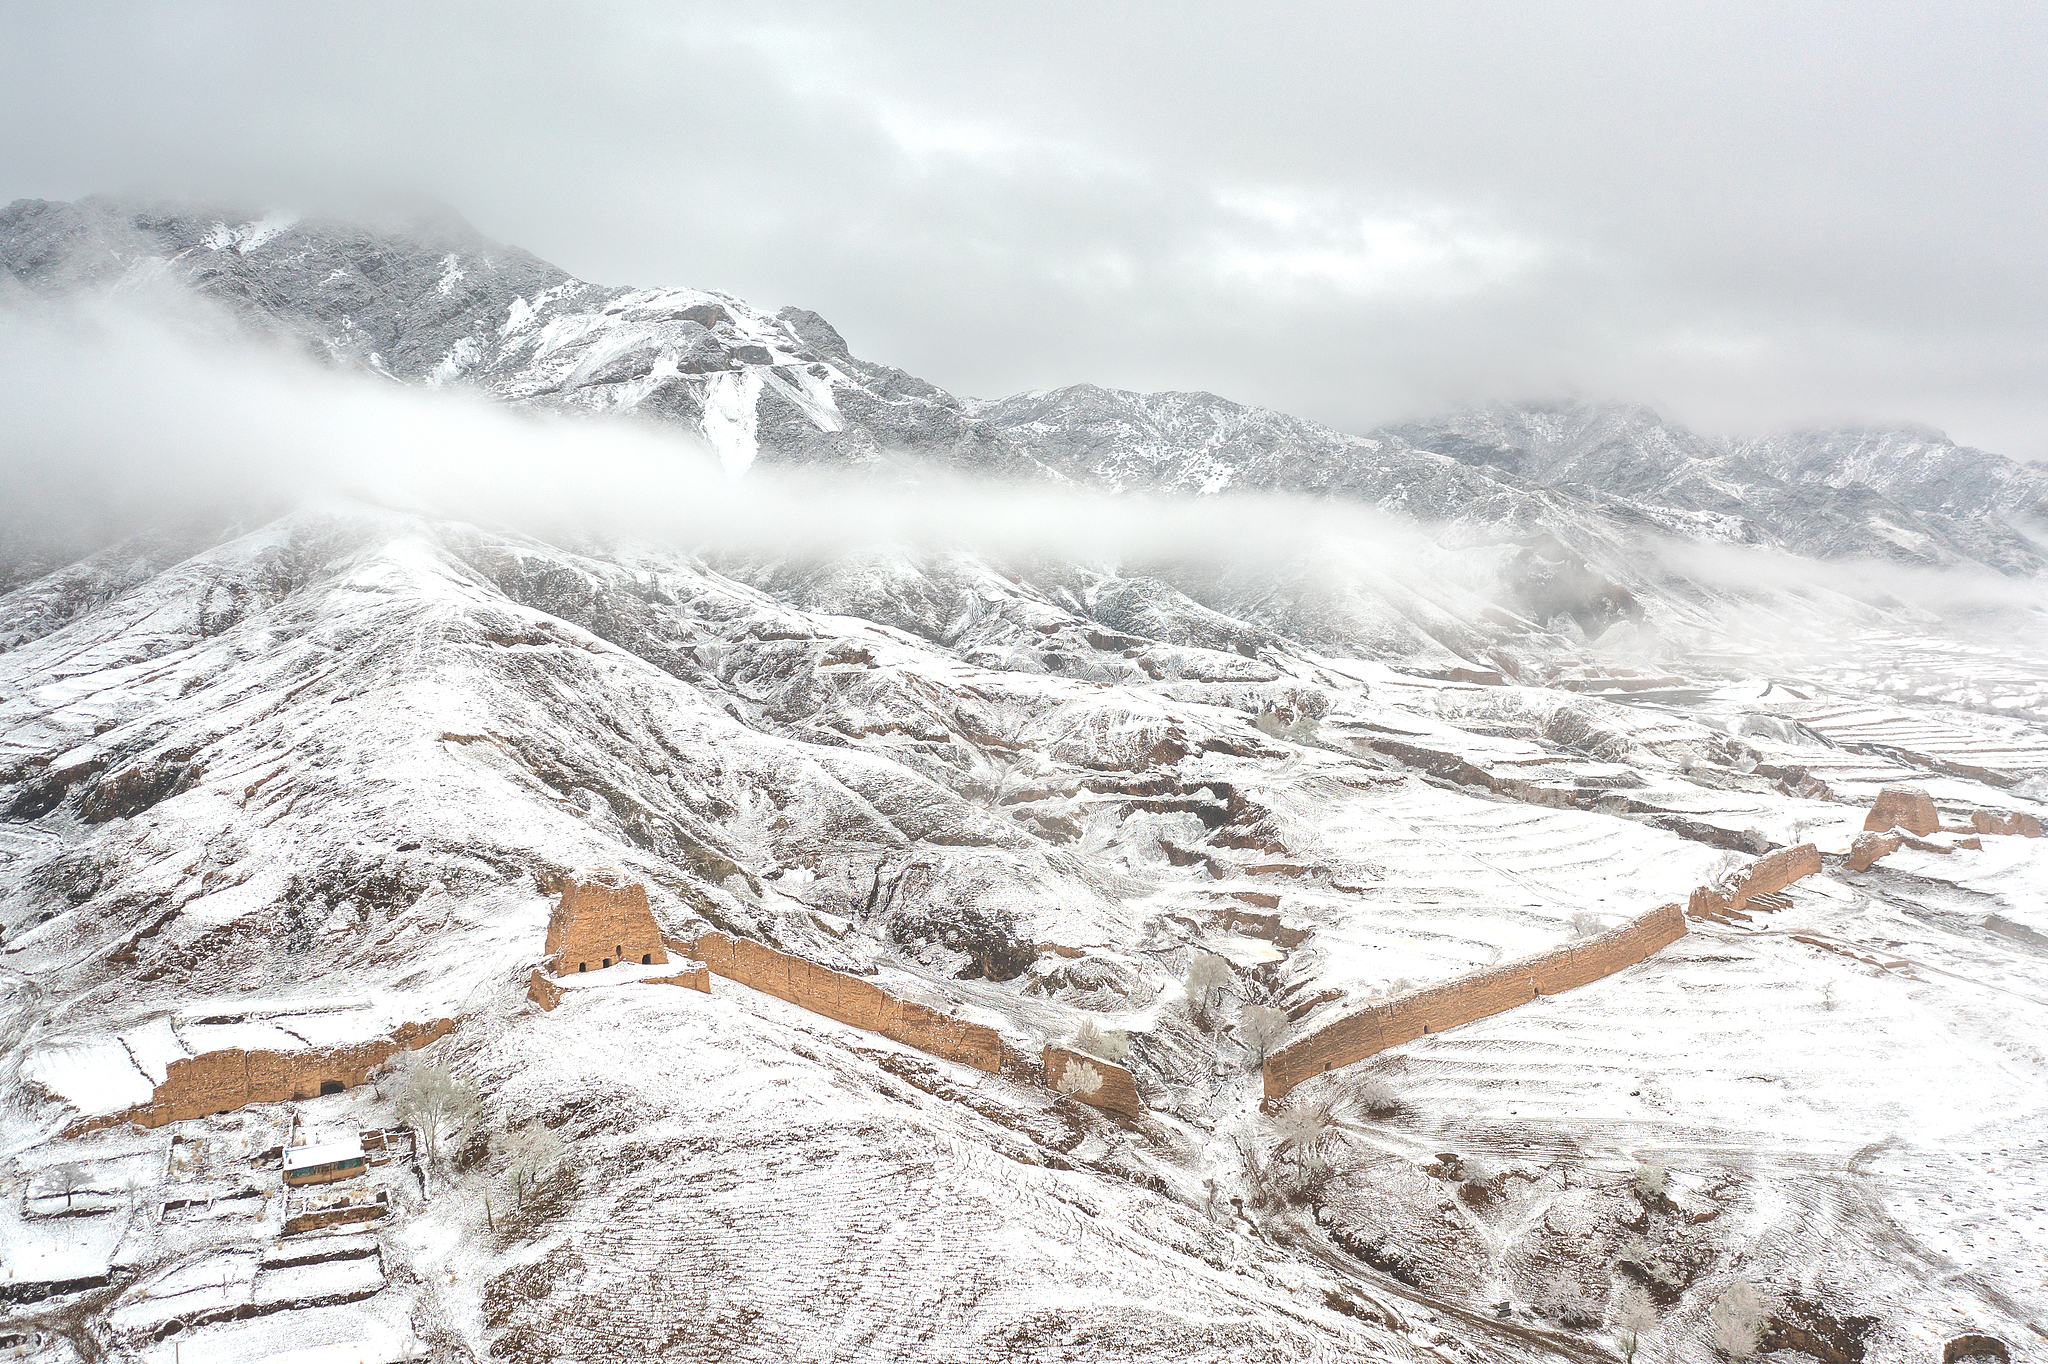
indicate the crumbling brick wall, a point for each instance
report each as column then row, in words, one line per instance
column 1481, row 994
column 602, row 919
column 849, row 1000
column 219, row 1081
column 1094, row 1081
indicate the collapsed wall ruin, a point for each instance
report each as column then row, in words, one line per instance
column 220, row 1081
column 1094, row 1081
column 1766, row 876
column 850, row 1000
column 1387, row 1023
column 601, row 920
column 548, row 991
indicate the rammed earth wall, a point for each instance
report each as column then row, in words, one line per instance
column 850, row 1000
column 602, row 919
column 218, row 1081
column 1388, row 1023
column 1092, row 1080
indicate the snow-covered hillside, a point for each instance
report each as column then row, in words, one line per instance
column 290, row 783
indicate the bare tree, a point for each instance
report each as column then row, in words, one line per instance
column 1261, row 1030
column 1208, row 975
column 1738, row 1320
column 1635, row 1317
column 1306, row 1128
column 533, row 1154
column 69, row 1179
column 436, row 1105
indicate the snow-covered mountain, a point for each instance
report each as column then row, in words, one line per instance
column 286, row 784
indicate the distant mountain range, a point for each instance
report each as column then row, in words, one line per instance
column 425, row 299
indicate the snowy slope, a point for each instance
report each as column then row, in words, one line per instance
column 292, row 780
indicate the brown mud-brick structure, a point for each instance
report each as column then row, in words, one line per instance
column 601, row 920
column 219, row 1081
column 1903, row 807
column 1375, row 1027
column 548, row 992
column 850, row 1000
column 1094, row 1081
column 1766, row 876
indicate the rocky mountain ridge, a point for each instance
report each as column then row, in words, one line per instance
column 426, row 299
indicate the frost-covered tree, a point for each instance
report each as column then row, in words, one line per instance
column 1635, row 1317
column 68, row 1178
column 1109, row 1044
column 434, row 1104
column 1208, row 975
column 1650, row 1182
column 1078, row 1077
column 1261, row 1030
column 532, row 1155
column 1738, row 1320
column 1306, row 1129
column 1586, row 924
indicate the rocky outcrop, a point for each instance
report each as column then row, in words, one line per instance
column 1903, row 807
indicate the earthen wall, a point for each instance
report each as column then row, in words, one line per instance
column 1481, row 994
column 218, row 1081
column 602, row 919
column 850, row 1000
column 1115, row 1091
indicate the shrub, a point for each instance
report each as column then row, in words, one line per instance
column 1650, row 1182
column 1112, row 1045
column 1376, row 1099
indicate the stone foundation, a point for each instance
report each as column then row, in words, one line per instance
column 1375, row 1027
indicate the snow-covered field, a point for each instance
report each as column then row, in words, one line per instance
column 339, row 804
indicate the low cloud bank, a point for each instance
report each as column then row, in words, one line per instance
column 125, row 415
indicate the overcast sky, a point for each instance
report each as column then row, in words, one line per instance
column 1747, row 215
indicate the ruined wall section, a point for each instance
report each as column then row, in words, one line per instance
column 219, row 1081
column 1766, row 876
column 1481, row 994
column 1094, row 1081
column 850, row 1000
column 602, row 919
